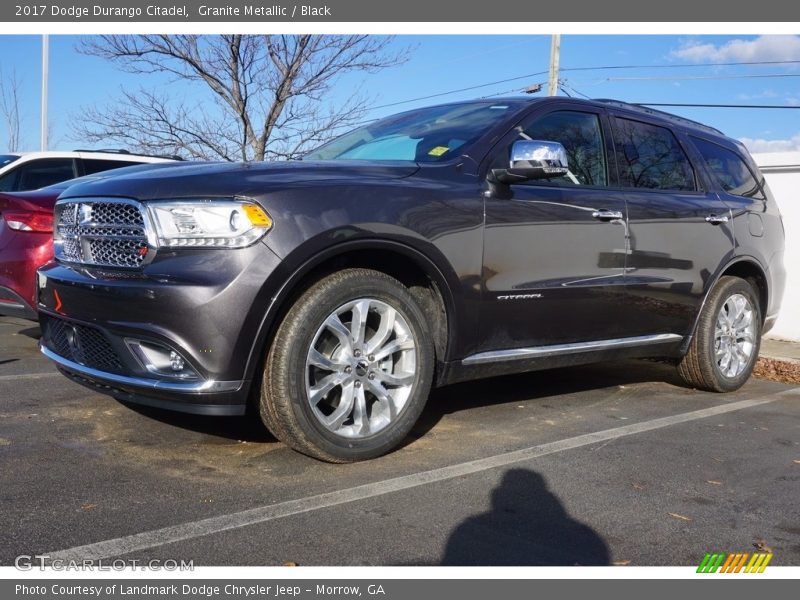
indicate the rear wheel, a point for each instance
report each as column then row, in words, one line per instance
column 350, row 368
column 725, row 346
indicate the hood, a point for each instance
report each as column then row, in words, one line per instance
column 220, row 180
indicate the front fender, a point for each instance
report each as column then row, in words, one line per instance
column 297, row 265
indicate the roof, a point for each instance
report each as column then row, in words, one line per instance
column 660, row 114
column 105, row 154
column 606, row 102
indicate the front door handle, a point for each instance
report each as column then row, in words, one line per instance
column 607, row 215
column 717, row 219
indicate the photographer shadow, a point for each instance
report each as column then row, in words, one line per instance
column 527, row 525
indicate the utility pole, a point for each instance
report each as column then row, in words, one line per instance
column 555, row 51
column 45, row 69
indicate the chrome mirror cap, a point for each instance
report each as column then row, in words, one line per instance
column 550, row 156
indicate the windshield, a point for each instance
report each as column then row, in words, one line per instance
column 427, row 135
column 7, row 159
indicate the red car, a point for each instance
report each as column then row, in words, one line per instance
column 26, row 243
column 26, row 238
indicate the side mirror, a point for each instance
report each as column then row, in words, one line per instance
column 533, row 159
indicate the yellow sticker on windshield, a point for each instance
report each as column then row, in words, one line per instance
column 438, row 150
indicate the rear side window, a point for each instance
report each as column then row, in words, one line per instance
column 650, row 157
column 93, row 165
column 729, row 169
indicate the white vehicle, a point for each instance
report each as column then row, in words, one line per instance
column 21, row 171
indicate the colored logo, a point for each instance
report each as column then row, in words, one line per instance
column 734, row 563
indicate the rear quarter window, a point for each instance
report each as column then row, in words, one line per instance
column 729, row 169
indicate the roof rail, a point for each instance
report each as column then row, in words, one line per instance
column 129, row 153
column 106, row 150
column 659, row 113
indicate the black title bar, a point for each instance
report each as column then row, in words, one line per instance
column 334, row 11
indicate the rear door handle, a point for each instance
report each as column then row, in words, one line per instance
column 717, row 219
column 607, row 215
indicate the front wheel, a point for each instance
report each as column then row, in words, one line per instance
column 724, row 348
column 350, row 368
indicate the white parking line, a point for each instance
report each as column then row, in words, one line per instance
column 28, row 376
column 195, row 529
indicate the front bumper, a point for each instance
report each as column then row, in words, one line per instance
column 152, row 392
column 203, row 305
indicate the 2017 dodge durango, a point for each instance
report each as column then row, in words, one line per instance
column 438, row 245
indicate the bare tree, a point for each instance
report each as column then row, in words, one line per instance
column 241, row 97
column 9, row 105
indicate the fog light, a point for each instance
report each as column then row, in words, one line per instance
column 161, row 360
column 176, row 361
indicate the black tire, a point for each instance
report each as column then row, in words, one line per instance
column 700, row 368
column 284, row 404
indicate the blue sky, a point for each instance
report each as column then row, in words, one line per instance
column 441, row 63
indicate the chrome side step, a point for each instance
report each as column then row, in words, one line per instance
column 574, row 348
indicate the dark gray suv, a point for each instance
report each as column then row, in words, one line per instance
column 438, row 245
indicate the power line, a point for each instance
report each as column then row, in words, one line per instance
column 565, row 84
column 517, row 90
column 594, row 68
column 688, row 65
column 466, row 89
column 702, row 77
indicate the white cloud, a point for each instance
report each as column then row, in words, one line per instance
column 788, row 99
column 761, row 145
column 759, row 95
column 762, row 48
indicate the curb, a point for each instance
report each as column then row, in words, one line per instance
column 778, row 368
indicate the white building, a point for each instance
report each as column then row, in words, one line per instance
column 782, row 171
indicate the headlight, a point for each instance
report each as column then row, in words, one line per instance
column 215, row 223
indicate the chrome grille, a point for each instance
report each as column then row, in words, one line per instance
column 68, row 216
column 115, row 212
column 117, row 252
column 108, row 233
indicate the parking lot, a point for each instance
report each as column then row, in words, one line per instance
column 606, row 464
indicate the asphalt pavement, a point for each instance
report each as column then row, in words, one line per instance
column 616, row 463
